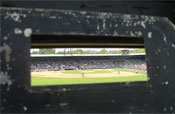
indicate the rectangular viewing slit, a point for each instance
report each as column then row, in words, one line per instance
column 73, row 66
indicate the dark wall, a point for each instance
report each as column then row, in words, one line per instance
column 141, row 7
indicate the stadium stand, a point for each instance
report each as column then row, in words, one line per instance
column 81, row 62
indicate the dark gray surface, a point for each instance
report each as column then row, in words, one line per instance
column 155, row 96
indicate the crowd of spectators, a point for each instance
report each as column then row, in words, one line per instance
column 76, row 64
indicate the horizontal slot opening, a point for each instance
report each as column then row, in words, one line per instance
column 74, row 66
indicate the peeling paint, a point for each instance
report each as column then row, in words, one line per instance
column 14, row 16
column 164, row 66
column 7, row 50
column 173, row 45
column 17, row 31
column 52, row 17
column 104, row 24
column 5, row 79
column 63, row 104
column 159, row 50
column 98, row 27
column 64, row 89
column 25, row 108
column 150, row 35
column 166, row 82
column 27, row 32
column 132, row 34
column 139, row 33
column 171, row 108
column 83, row 12
column 143, row 24
column 164, row 109
column 163, row 34
column 5, row 37
column 164, row 38
column 126, row 16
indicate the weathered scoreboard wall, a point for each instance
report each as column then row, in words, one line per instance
column 21, row 20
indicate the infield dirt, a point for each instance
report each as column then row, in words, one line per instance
column 59, row 74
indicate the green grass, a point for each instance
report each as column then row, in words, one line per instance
column 38, row 81
column 99, row 71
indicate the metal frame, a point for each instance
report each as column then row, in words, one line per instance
column 17, row 26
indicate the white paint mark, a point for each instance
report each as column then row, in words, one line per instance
column 164, row 109
column 131, row 33
column 14, row 16
column 88, row 16
column 126, row 16
column 164, row 66
column 115, row 33
column 166, row 83
column 27, row 32
column 143, row 24
column 173, row 45
column 7, row 50
column 159, row 50
column 164, row 38
column 24, row 15
column 17, row 31
column 52, row 17
column 63, row 104
column 5, row 79
column 171, row 108
column 25, row 108
column 98, row 27
column 5, row 37
column 64, row 89
column 104, row 24
column 83, row 12
column 138, row 22
column 139, row 33
column 135, row 24
column 116, row 25
column 149, row 34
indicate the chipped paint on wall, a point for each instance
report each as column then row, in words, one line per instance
column 27, row 32
column 5, row 79
column 7, row 50
column 17, row 31
column 15, row 16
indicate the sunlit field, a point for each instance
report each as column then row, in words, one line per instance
column 69, row 77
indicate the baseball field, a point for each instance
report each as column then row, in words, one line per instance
column 69, row 77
